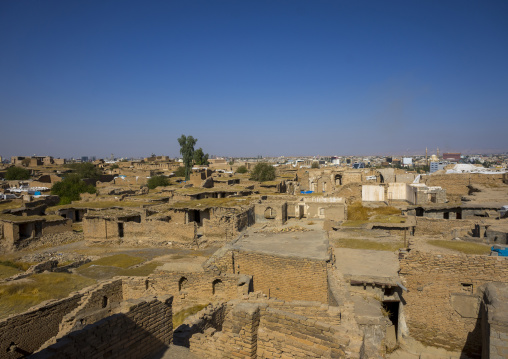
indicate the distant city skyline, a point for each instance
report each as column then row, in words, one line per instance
column 270, row 78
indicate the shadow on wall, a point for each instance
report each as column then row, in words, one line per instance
column 473, row 346
column 145, row 331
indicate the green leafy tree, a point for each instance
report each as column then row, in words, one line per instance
column 241, row 169
column 17, row 173
column 157, row 181
column 315, row 165
column 180, row 172
column 70, row 188
column 114, row 166
column 85, row 170
column 263, row 172
column 187, row 151
column 200, row 158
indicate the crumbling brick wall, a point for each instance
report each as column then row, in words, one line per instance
column 226, row 223
column 60, row 226
column 494, row 321
column 295, row 336
column 287, row 278
column 263, row 330
column 456, row 184
column 443, row 227
column 238, row 338
column 431, row 279
column 144, row 329
column 188, row 288
column 159, row 231
column 29, row 330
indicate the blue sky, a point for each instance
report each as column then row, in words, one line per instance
column 252, row 77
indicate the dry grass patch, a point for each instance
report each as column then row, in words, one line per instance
column 7, row 271
column 463, row 247
column 117, row 265
column 354, row 223
column 117, row 260
column 18, row 296
column 358, row 214
column 179, row 317
column 367, row 244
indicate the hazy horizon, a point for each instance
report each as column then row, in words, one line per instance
column 270, row 78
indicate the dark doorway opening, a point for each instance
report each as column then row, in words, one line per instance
column 392, row 311
column 25, row 230
column 120, row 230
column 419, row 212
column 38, row 229
column 446, row 215
column 77, row 217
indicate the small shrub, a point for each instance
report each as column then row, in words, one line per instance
column 157, row 181
column 315, row 165
column 241, row 169
column 17, row 173
column 263, row 172
column 180, row 172
column 70, row 189
column 85, row 170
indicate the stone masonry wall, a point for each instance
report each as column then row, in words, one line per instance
column 287, row 335
column 434, row 281
column 144, row 329
column 238, row 338
column 159, row 232
column 287, row 278
column 257, row 330
column 24, row 333
column 188, row 288
column 443, row 227
column 456, row 184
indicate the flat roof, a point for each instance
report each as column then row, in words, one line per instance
column 306, row 245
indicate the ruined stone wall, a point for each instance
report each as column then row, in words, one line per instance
column 351, row 177
column 456, row 183
column 178, row 216
column 436, row 284
column 144, row 329
column 494, row 321
column 54, row 227
column 267, row 330
column 445, row 228
column 99, row 230
column 159, row 231
column 29, row 330
column 283, row 334
column 271, row 212
column 287, row 278
column 226, row 225
column 238, row 338
column 188, row 288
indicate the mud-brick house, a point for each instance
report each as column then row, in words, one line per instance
column 134, row 226
column 17, row 231
column 215, row 218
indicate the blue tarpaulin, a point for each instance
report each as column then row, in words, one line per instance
column 306, row 192
column 502, row 252
column 37, row 193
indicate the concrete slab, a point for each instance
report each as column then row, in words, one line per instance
column 311, row 244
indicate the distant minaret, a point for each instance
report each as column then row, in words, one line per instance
column 426, row 158
column 438, row 152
